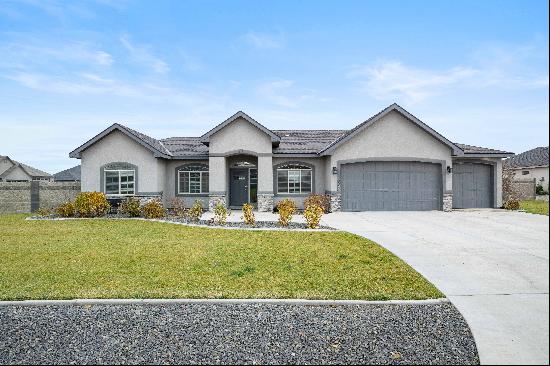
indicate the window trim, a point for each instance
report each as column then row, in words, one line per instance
column 180, row 169
column 105, row 171
column 304, row 167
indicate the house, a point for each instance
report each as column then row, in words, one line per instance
column 532, row 164
column 68, row 175
column 13, row 171
column 392, row 161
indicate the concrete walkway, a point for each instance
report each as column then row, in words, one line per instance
column 492, row 265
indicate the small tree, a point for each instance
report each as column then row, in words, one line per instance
column 248, row 214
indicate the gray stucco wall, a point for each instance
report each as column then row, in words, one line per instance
column 393, row 136
column 17, row 174
column 117, row 147
column 240, row 134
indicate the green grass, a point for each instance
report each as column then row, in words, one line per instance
column 138, row 259
column 535, row 207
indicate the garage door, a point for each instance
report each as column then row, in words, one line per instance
column 391, row 186
column 472, row 185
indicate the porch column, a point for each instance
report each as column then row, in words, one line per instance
column 265, row 183
column 217, row 190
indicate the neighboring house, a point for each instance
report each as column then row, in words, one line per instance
column 392, row 161
column 68, row 175
column 532, row 164
column 13, row 171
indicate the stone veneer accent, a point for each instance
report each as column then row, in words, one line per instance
column 265, row 202
column 335, row 202
column 214, row 199
column 447, row 202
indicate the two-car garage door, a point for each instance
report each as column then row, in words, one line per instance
column 391, row 186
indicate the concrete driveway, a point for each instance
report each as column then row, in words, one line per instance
column 492, row 265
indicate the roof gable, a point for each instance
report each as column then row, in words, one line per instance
column 394, row 107
column 156, row 147
column 275, row 139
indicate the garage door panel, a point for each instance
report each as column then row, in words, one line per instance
column 473, row 185
column 391, row 186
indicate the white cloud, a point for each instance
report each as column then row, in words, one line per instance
column 283, row 93
column 264, row 40
column 142, row 54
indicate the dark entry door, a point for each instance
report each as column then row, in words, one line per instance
column 238, row 189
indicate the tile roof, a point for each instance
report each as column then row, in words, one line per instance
column 71, row 174
column 185, row 146
column 534, row 157
column 305, row 141
column 470, row 149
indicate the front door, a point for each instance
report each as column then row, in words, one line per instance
column 238, row 189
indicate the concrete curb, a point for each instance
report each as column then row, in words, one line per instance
column 219, row 302
column 183, row 223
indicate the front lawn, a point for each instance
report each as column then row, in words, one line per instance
column 535, row 207
column 137, row 259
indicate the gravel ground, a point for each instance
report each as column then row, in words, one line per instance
column 234, row 334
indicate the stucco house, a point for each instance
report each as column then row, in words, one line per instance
column 392, row 161
column 532, row 164
column 14, row 171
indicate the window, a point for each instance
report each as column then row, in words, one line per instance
column 294, row 179
column 193, row 179
column 525, row 172
column 120, row 182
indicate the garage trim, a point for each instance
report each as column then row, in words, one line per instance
column 493, row 165
column 442, row 163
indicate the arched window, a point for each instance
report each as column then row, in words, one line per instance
column 294, row 178
column 119, row 179
column 193, row 178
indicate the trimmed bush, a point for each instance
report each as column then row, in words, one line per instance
column 286, row 209
column 313, row 214
column 511, row 204
column 153, row 209
column 220, row 214
column 91, row 204
column 178, row 208
column 65, row 209
column 195, row 212
column 320, row 200
column 130, row 206
column 248, row 214
column 43, row 212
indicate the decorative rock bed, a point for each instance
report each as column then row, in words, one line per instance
column 259, row 225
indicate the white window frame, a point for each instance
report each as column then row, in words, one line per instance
column 310, row 170
column 200, row 181
column 119, row 182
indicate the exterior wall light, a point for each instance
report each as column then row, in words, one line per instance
column 334, row 170
column 449, row 169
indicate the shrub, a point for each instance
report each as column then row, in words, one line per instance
column 153, row 209
column 65, row 209
column 130, row 206
column 91, row 204
column 220, row 214
column 313, row 214
column 195, row 212
column 286, row 209
column 43, row 212
column 320, row 200
column 511, row 204
column 248, row 214
column 540, row 190
column 178, row 207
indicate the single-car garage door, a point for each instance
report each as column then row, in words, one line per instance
column 472, row 185
column 391, row 186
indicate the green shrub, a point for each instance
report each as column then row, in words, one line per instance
column 320, row 200
column 540, row 190
column 130, row 206
column 220, row 214
column 511, row 204
column 91, row 204
column 178, row 208
column 286, row 209
column 65, row 209
column 43, row 212
column 195, row 212
column 248, row 214
column 313, row 214
column 153, row 209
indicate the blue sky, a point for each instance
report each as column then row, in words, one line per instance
column 476, row 71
